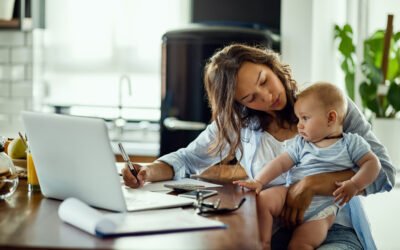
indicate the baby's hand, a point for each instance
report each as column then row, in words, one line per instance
column 250, row 184
column 345, row 191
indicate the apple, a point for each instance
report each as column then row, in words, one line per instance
column 17, row 149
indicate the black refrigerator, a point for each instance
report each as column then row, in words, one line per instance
column 184, row 107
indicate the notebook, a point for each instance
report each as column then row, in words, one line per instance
column 80, row 215
column 73, row 158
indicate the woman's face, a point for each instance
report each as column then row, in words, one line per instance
column 259, row 88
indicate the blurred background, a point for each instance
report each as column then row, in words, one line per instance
column 138, row 63
column 106, row 61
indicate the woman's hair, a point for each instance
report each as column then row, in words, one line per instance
column 329, row 96
column 220, row 79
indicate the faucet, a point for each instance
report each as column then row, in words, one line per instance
column 120, row 122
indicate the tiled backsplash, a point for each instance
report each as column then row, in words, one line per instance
column 17, row 63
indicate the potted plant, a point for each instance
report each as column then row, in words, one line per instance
column 380, row 87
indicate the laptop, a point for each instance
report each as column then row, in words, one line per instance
column 73, row 158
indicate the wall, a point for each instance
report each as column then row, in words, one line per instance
column 378, row 11
column 307, row 33
column 307, row 39
column 16, row 78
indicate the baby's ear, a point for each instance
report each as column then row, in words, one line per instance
column 332, row 117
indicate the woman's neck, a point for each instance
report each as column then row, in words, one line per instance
column 281, row 133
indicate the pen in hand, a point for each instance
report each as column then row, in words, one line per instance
column 128, row 162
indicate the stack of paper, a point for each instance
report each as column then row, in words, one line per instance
column 80, row 215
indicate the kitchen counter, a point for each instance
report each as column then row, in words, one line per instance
column 141, row 138
column 138, row 148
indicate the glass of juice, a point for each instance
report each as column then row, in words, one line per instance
column 33, row 182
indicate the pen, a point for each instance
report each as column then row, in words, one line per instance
column 127, row 160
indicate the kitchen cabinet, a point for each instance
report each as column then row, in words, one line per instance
column 27, row 15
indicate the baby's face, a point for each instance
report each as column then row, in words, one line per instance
column 313, row 119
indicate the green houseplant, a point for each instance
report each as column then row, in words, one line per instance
column 379, row 90
column 380, row 87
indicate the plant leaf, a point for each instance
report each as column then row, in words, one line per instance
column 396, row 36
column 337, row 31
column 347, row 28
column 373, row 105
column 346, row 46
column 347, row 50
column 368, row 91
column 383, row 105
column 393, row 67
column 394, row 96
column 349, row 81
column 373, row 48
column 373, row 73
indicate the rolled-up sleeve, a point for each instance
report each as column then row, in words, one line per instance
column 355, row 122
column 196, row 156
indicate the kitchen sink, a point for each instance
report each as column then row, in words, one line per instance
column 138, row 138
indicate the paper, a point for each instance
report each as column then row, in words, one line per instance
column 139, row 200
column 88, row 219
column 159, row 186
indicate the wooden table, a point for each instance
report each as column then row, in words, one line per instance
column 28, row 220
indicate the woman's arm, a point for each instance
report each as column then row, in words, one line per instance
column 195, row 158
column 356, row 123
column 190, row 160
column 300, row 194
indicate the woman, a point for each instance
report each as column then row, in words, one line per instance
column 252, row 95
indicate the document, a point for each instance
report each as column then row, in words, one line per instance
column 88, row 219
column 159, row 186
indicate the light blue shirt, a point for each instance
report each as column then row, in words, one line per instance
column 196, row 157
column 310, row 159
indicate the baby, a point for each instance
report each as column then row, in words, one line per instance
column 321, row 146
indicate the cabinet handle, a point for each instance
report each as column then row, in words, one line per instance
column 171, row 123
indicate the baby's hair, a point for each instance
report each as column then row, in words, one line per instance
column 329, row 95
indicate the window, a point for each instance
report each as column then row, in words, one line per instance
column 103, row 40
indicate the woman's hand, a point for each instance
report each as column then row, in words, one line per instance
column 298, row 199
column 300, row 194
column 130, row 180
column 147, row 172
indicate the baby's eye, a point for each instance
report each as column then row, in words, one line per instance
column 305, row 118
